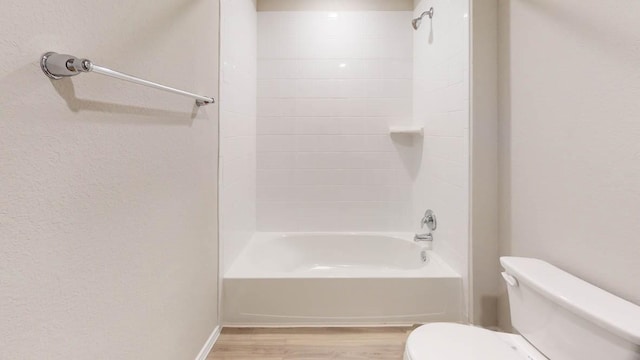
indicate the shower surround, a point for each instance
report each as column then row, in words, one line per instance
column 441, row 106
column 332, row 183
column 329, row 86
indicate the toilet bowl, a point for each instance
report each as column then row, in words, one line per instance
column 557, row 316
column 447, row 341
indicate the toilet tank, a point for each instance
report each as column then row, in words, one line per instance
column 566, row 318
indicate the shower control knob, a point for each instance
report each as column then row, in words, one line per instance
column 429, row 219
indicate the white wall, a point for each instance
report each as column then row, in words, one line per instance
column 569, row 130
column 334, row 5
column 108, row 199
column 484, row 267
column 330, row 84
column 238, row 48
column 441, row 105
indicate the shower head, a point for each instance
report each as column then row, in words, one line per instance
column 416, row 22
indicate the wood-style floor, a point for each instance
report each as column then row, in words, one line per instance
column 383, row 343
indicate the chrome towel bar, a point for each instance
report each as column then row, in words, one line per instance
column 56, row 66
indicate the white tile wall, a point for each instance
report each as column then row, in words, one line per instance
column 441, row 104
column 238, row 109
column 329, row 86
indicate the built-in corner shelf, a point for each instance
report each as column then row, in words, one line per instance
column 406, row 130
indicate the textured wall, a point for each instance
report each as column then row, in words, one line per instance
column 238, row 56
column 441, row 105
column 484, row 265
column 330, row 85
column 569, row 130
column 108, row 189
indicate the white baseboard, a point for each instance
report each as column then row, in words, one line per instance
column 206, row 349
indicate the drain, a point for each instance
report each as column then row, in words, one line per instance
column 423, row 256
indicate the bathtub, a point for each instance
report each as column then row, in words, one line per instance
column 336, row 279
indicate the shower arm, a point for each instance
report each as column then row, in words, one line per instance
column 416, row 22
column 428, row 12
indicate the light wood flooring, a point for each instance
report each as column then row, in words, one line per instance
column 380, row 343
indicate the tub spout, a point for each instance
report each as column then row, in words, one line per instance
column 423, row 237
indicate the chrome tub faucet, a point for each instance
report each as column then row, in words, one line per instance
column 429, row 219
column 423, row 237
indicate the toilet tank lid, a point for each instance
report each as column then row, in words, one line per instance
column 610, row 312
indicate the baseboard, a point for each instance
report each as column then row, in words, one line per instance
column 285, row 325
column 206, row 349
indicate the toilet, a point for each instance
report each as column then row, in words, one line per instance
column 557, row 317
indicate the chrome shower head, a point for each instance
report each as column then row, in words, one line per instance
column 416, row 22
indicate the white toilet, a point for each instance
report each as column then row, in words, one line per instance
column 557, row 315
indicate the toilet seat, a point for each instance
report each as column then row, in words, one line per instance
column 448, row 341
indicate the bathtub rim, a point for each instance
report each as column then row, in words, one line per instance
column 436, row 267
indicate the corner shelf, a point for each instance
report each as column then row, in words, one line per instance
column 406, row 130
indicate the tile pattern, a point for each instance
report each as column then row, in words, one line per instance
column 329, row 86
column 384, row 343
column 237, row 126
column 441, row 105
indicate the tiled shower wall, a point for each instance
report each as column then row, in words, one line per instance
column 237, row 126
column 329, row 86
column 441, row 105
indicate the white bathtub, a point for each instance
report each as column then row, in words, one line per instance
column 339, row 279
